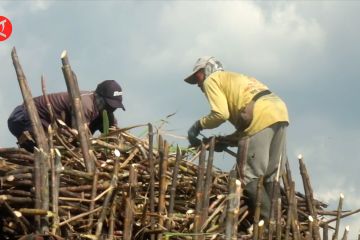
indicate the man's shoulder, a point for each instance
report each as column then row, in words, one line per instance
column 87, row 96
column 224, row 76
column 227, row 74
column 52, row 96
column 86, row 93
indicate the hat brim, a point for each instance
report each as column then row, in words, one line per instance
column 191, row 79
column 115, row 103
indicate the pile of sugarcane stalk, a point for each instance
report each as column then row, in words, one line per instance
column 118, row 186
column 139, row 191
column 135, row 191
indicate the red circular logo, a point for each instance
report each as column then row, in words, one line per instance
column 5, row 28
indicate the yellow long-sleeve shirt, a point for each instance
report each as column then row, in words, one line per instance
column 228, row 93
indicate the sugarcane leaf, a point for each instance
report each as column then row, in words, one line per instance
column 105, row 120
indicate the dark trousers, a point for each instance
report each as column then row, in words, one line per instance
column 18, row 123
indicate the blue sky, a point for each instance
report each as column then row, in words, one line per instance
column 308, row 52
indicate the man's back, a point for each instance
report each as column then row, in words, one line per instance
column 61, row 105
column 230, row 93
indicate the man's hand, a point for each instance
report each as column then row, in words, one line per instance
column 220, row 146
column 220, row 143
column 193, row 132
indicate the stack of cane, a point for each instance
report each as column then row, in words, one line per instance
column 136, row 190
column 139, row 191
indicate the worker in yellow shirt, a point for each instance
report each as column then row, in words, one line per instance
column 259, row 116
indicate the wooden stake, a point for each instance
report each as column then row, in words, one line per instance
column 109, row 195
column 325, row 231
column 199, row 192
column 173, row 188
column 278, row 219
column 152, row 179
column 309, row 197
column 233, row 209
column 259, row 191
column 163, row 186
column 208, row 181
column 341, row 199
column 78, row 113
column 92, row 203
column 129, row 208
column 346, row 233
column 36, row 124
column 261, row 229
column 55, row 190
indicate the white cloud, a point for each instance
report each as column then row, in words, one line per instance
column 239, row 34
column 22, row 8
column 39, row 5
column 288, row 24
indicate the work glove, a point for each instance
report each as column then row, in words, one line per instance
column 220, row 146
column 193, row 132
